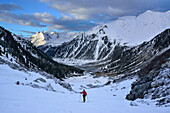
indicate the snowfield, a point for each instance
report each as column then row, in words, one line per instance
column 39, row 94
column 135, row 29
column 100, row 42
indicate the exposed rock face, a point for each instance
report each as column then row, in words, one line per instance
column 53, row 38
column 99, row 42
column 154, row 81
column 91, row 47
column 27, row 55
column 128, row 60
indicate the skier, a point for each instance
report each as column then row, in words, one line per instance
column 84, row 95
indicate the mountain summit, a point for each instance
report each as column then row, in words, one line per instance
column 19, row 52
column 52, row 38
column 99, row 42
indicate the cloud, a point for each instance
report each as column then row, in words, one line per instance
column 23, row 31
column 22, row 19
column 29, row 32
column 45, row 17
column 65, row 23
column 72, row 25
column 9, row 7
column 88, row 9
column 79, row 15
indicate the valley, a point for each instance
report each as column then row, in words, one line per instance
column 123, row 65
column 42, row 98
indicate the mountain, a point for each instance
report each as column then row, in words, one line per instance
column 128, row 60
column 52, row 38
column 150, row 61
column 45, row 95
column 127, row 77
column 18, row 52
column 99, row 42
column 154, row 80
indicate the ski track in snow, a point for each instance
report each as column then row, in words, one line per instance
column 25, row 99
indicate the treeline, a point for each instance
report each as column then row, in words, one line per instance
column 23, row 51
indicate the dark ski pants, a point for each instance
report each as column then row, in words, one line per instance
column 84, row 98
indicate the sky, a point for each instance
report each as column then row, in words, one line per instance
column 26, row 17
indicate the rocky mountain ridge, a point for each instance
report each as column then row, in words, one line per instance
column 99, row 42
column 154, row 81
column 21, row 52
column 128, row 60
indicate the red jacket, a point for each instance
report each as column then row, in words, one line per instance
column 83, row 92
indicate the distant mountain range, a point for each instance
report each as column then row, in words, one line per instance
column 99, row 42
column 52, row 38
column 125, row 48
column 18, row 52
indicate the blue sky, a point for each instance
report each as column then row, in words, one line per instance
column 25, row 17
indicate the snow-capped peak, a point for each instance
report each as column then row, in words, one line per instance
column 149, row 11
column 52, row 33
column 99, row 42
column 52, row 38
column 135, row 29
column 43, row 31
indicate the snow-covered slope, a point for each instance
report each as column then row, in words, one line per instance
column 52, row 38
column 16, row 50
column 130, row 60
column 41, row 94
column 99, row 42
column 154, row 80
column 135, row 30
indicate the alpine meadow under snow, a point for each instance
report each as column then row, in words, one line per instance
column 123, row 65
